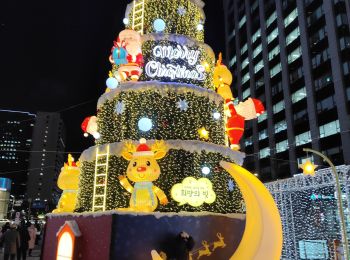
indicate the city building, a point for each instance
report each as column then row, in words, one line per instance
column 47, row 158
column 16, row 129
column 294, row 55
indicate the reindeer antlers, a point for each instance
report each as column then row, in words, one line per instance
column 159, row 145
column 129, row 147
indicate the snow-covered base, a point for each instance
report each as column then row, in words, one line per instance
column 89, row 155
column 133, row 235
column 157, row 215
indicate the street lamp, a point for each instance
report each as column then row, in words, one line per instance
column 309, row 168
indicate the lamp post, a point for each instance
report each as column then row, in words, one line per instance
column 339, row 197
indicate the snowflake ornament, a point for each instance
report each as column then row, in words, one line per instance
column 231, row 185
column 181, row 10
column 120, row 107
column 182, row 104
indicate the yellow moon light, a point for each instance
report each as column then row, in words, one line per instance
column 262, row 238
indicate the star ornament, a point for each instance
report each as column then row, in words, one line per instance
column 182, row 104
column 308, row 168
column 120, row 107
column 181, row 10
column 231, row 185
column 203, row 133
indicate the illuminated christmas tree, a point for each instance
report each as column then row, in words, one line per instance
column 164, row 84
column 167, row 157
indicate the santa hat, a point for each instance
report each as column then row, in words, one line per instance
column 143, row 149
column 258, row 105
column 84, row 125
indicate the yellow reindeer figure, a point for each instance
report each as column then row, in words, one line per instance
column 68, row 181
column 143, row 169
column 205, row 251
column 220, row 243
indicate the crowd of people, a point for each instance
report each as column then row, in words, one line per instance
column 18, row 240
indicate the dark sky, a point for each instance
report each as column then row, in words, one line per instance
column 54, row 55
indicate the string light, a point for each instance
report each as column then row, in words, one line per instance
column 183, row 23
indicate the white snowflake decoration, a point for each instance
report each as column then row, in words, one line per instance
column 182, row 104
column 181, row 10
column 231, row 185
column 120, row 107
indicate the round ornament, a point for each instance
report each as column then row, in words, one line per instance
column 112, row 83
column 145, row 124
column 159, row 25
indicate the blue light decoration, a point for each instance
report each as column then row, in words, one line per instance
column 5, row 184
column 119, row 55
column 145, row 124
column 126, row 21
column 112, row 83
column 120, row 107
column 216, row 115
column 159, row 25
column 231, row 185
column 182, row 104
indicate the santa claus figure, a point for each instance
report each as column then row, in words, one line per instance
column 236, row 115
column 131, row 67
column 89, row 126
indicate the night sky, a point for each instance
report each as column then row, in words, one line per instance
column 54, row 55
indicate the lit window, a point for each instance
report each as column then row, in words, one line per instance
column 263, row 134
column 290, row 18
column 258, row 66
column 280, row 126
column 245, row 63
column 257, row 50
column 244, row 49
column 272, row 35
column 274, row 52
column 256, row 35
column 278, row 107
column 292, row 36
column 265, row 152
column 242, row 21
column 245, row 78
column 246, row 93
column 65, row 247
column 262, row 117
column 282, row 146
column 294, row 55
column 299, row 95
column 248, row 141
column 275, row 70
column 303, row 138
column 271, row 19
column 232, row 61
column 329, row 129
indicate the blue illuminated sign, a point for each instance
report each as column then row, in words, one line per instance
column 5, row 184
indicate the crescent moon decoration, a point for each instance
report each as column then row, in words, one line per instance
column 262, row 238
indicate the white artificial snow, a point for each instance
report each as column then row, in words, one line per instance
column 157, row 215
column 162, row 88
column 73, row 226
column 187, row 145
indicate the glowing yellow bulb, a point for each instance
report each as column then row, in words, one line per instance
column 206, row 66
column 308, row 168
column 203, row 133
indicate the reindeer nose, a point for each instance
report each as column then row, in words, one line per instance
column 141, row 169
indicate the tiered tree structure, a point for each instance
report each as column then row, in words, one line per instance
column 161, row 89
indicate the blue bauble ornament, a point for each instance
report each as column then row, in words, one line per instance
column 112, row 83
